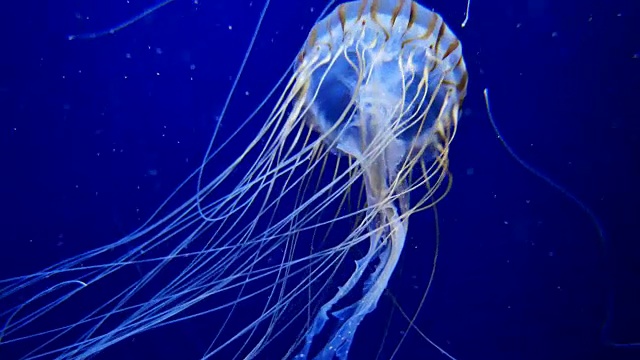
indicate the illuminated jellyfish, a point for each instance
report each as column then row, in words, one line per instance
column 386, row 82
column 365, row 120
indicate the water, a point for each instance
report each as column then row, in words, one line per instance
column 96, row 133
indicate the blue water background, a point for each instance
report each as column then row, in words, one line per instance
column 95, row 134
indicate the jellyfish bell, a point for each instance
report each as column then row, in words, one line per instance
column 379, row 82
column 371, row 68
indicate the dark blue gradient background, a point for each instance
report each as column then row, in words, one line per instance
column 92, row 140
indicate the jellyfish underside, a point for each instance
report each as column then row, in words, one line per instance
column 380, row 84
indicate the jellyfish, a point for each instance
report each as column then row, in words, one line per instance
column 293, row 242
column 386, row 91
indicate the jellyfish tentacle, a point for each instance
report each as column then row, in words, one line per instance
column 602, row 236
column 122, row 25
column 387, row 239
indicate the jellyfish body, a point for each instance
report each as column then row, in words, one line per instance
column 386, row 80
column 381, row 84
